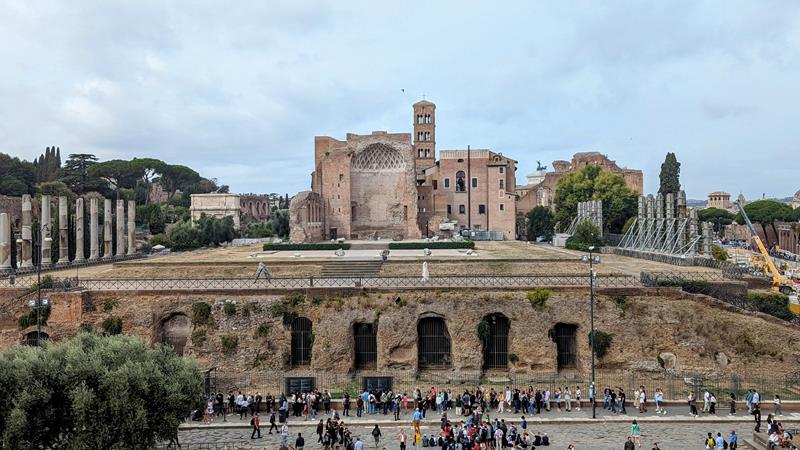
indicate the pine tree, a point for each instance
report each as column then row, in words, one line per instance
column 670, row 175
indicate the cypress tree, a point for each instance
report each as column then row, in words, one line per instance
column 670, row 175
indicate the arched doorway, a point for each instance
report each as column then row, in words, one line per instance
column 32, row 338
column 175, row 331
column 302, row 341
column 365, row 340
column 493, row 331
column 566, row 345
column 433, row 344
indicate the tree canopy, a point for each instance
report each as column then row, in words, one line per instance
column 17, row 177
column 539, row 223
column 766, row 213
column 593, row 183
column 93, row 391
column 670, row 175
column 718, row 217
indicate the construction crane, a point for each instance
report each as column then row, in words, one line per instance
column 780, row 282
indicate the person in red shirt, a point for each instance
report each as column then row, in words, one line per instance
column 255, row 421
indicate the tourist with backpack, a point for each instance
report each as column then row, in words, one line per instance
column 255, row 422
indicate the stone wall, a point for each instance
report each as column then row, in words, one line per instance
column 644, row 323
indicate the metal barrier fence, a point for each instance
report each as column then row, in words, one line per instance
column 675, row 386
column 451, row 281
column 72, row 264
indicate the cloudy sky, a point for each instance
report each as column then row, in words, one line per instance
column 238, row 90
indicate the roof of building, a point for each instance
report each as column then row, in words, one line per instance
column 424, row 103
column 719, row 193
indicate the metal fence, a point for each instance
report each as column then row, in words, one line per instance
column 675, row 386
column 450, row 281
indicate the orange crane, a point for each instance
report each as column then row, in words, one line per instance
column 780, row 282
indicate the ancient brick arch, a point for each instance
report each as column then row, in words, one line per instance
column 379, row 158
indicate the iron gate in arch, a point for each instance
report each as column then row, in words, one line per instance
column 566, row 345
column 366, row 345
column 495, row 345
column 433, row 344
column 302, row 340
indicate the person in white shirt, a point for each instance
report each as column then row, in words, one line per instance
column 706, row 401
column 547, row 399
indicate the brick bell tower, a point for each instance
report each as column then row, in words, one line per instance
column 424, row 134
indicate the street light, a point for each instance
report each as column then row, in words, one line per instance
column 592, row 277
column 44, row 231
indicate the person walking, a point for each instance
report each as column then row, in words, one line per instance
column 262, row 270
column 777, row 403
column 642, row 401
column 299, row 443
column 636, row 433
column 757, row 417
column 272, row 423
column 733, row 440
column 732, row 402
column 376, row 434
column 285, row 434
column 255, row 422
column 692, row 405
column 358, row 445
column 403, row 439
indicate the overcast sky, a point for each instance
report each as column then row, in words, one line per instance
column 238, row 90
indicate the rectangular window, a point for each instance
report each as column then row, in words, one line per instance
column 449, row 209
column 435, row 184
column 481, row 209
column 447, row 183
column 502, row 207
column 501, row 169
column 461, row 209
column 474, row 182
column 502, row 184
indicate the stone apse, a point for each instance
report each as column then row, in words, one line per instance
column 361, row 188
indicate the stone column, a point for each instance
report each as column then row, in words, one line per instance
column 45, row 233
column 707, row 238
column 94, row 252
column 5, row 242
column 670, row 223
column 693, row 232
column 79, row 230
column 131, row 227
column 120, row 227
column 108, row 250
column 25, row 247
column 63, row 231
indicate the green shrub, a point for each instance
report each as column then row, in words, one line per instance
column 538, row 297
column 199, row 337
column 110, row 304
column 602, row 342
column 160, row 239
column 586, row 235
column 484, row 332
column 112, row 325
column 251, row 308
column 621, row 302
column 262, row 330
column 301, row 247
column 86, row 327
column 230, row 342
column 295, row 298
column 431, row 245
column 719, row 253
column 29, row 320
column 772, row 303
column 285, row 311
column 201, row 313
column 229, row 308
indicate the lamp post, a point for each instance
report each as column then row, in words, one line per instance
column 44, row 231
column 591, row 260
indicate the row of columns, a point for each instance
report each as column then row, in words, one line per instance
column 25, row 242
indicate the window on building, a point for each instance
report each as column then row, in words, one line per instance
column 502, row 207
column 501, row 169
column 301, row 341
column 461, row 209
column 32, row 338
column 461, row 185
column 481, row 209
column 427, row 118
column 495, row 341
column 449, row 209
column 419, row 118
column 502, row 184
column 474, row 182
column 433, row 344
column 435, row 184
column 447, row 183
column 365, row 340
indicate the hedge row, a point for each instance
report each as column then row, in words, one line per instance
column 430, row 245
column 319, row 246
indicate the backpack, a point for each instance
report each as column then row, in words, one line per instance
column 724, row 444
column 252, row 421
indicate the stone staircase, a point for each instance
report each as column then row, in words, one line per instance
column 352, row 268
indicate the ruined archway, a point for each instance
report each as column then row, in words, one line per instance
column 493, row 332
column 433, row 344
column 302, row 341
column 566, row 345
column 175, row 330
column 365, row 345
column 32, row 338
